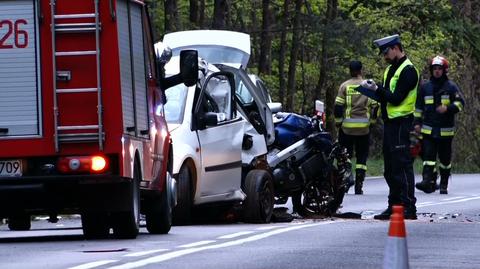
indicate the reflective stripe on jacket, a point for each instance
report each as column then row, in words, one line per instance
column 354, row 110
column 431, row 95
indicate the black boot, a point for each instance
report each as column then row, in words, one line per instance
column 429, row 182
column 385, row 215
column 444, row 176
column 359, row 178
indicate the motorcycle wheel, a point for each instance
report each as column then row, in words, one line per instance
column 322, row 197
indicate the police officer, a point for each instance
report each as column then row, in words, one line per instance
column 353, row 112
column 397, row 96
column 437, row 103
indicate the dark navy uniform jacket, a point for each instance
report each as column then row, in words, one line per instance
column 432, row 94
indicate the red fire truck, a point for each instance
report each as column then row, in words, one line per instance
column 81, row 116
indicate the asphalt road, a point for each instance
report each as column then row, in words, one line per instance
column 446, row 235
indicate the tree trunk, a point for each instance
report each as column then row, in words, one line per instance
column 291, row 83
column 467, row 122
column 265, row 63
column 194, row 12
column 283, row 52
column 331, row 14
column 201, row 15
column 172, row 20
column 219, row 14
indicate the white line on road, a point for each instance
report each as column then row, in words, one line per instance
column 179, row 253
column 453, row 198
column 451, row 202
column 268, row 228
column 230, row 236
column 93, row 264
column 143, row 253
column 425, row 203
column 196, row 244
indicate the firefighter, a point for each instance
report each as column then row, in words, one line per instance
column 353, row 113
column 397, row 97
column 437, row 103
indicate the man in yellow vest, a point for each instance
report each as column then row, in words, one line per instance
column 397, row 96
column 353, row 113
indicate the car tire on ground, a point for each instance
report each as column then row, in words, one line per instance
column 258, row 206
column 182, row 213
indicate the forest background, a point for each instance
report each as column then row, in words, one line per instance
column 301, row 48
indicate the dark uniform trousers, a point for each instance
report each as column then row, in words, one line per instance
column 398, row 162
column 358, row 142
column 431, row 146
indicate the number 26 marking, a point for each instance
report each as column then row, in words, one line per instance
column 21, row 36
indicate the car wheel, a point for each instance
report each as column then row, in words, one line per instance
column 182, row 212
column 258, row 206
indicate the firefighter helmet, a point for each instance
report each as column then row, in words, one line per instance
column 439, row 60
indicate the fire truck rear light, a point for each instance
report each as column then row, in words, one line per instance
column 98, row 163
column 82, row 164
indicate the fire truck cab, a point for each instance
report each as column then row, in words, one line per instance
column 82, row 128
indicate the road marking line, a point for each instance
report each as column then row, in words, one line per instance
column 268, row 228
column 143, row 253
column 453, row 198
column 230, row 236
column 179, row 253
column 425, row 203
column 196, row 244
column 93, row 264
column 452, row 202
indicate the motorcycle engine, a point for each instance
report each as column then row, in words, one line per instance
column 286, row 180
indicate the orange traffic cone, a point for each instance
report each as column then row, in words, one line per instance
column 396, row 252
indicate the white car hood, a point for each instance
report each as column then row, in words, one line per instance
column 215, row 46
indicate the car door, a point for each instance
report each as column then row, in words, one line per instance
column 253, row 104
column 220, row 134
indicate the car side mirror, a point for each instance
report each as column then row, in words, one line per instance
column 275, row 107
column 207, row 119
column 189, row 67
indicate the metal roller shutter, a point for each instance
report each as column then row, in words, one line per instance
column 19, row 70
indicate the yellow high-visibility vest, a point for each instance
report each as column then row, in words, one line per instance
column 407, row 106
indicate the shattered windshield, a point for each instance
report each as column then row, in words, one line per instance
column 175, row 106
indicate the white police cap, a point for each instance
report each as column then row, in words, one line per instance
column 386, row 42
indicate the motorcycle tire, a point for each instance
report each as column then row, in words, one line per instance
column 321, row 198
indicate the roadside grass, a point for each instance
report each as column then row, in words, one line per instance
column 375, row 167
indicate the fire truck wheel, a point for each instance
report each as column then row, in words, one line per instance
column 95, row 225
column 160, row 221
column 19, row 222
column 127, row 223
column 258, row 206
column 159, row 216
column 182, row 212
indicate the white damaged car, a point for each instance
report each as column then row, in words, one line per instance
column 218, row 155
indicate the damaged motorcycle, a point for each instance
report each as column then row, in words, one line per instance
column 307, row 165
